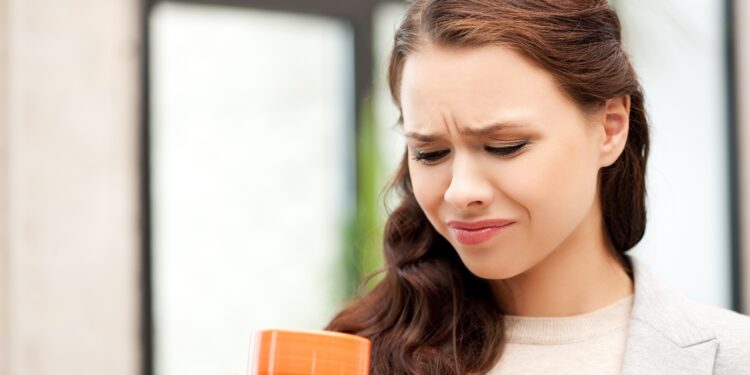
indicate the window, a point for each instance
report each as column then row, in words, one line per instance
column 251, row 158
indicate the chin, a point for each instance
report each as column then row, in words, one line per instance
column 491, row 270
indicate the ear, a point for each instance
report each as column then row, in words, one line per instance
column 616, row 123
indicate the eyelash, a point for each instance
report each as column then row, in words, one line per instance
column 430, row 158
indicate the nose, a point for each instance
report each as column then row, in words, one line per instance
column 469, row 189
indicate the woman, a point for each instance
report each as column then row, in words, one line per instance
column 523, row 187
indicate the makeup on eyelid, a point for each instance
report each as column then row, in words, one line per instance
column 430, row 157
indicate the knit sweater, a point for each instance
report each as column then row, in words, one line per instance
column 590, row 343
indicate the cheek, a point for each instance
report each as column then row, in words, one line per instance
column 428, row 185
column 555, row 185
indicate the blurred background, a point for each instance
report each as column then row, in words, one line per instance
column 176, row 174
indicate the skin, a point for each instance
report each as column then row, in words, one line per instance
column 554, row 260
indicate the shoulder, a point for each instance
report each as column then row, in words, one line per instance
column 723, row 322
column 689, row 324
column 731, row 331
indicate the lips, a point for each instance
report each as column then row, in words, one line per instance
column 477, row 232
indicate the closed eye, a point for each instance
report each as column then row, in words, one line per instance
column 430, row 157
column 433, row 157
column 507, row 151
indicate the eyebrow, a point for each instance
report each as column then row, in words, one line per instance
column 474, row 132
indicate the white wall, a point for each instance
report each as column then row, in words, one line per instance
column 677, row 48
column 68, row 187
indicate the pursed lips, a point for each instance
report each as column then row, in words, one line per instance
column 474, row 233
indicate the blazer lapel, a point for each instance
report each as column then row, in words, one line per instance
column 661, row 338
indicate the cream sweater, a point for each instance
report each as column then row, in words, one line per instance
column 591, row 343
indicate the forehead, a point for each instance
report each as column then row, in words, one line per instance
column 471, row 87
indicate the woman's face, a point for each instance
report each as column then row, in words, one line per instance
column 503, row 164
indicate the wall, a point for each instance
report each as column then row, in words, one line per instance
column 68, row 187
column 3, row 222
column 678, row 50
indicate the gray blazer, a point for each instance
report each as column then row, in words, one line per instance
column 669, row 334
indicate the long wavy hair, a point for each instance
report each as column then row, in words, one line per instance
column 430, row 314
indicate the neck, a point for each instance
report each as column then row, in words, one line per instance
column 580, row 276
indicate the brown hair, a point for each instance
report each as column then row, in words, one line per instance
column 430, row 314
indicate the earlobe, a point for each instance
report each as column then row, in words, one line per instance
column 616, row 123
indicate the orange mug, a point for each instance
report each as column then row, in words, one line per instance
column 282, row 352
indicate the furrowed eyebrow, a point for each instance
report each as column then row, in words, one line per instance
column 474, row 132
column 422, row 137
column 491, row 128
